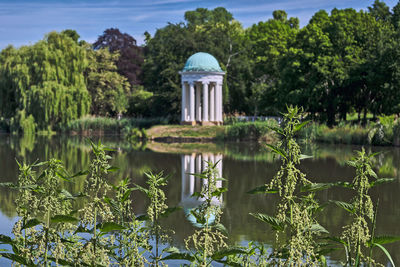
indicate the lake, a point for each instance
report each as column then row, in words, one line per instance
column 244, row 165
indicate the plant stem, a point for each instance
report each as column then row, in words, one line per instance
column 47, row 236
column 94, row 235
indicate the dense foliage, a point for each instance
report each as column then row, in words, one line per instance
column 52, row 231
column 341, row 62
column 43, row 84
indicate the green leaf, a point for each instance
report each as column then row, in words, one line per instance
column 336, row 239
column 179, row 256
column 347, row 206
column 112, row 169
column 386, row 252
column 66, row 194
column 8, row 185
column 62, row 176
column 170, row 210
column 218, row 192
column 300, row 126
column 343, row 184
column 313, row 187
column 220, row 227
column 199, row 217
column 274, row 222
column 317, row 228
column 17, row 258
column 197, row 194
column 126, row 195
column 381, row 240
column 5, row 240
column 142, row 189
column 262, row 190
column 82, row 229
column 64, row 219
column 143, row 217
column 227, row 252
column 80, row 173
column 276, row 129
column 381, row 181
column 352, row 163
column 62, row 262
column 302, row 156
column 111, row 226
column 277, row 150
column 114, row 205
column 31, row 223
column 171, row 250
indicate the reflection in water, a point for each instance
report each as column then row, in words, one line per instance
column 245, row 166
column 197, row 164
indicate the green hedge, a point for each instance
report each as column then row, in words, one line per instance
column 111, row 125
column 259, row 130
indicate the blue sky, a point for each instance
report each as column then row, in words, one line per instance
column 27, row 21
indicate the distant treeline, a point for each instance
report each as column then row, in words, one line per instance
column 343, row 61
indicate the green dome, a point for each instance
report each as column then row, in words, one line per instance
column 202, row 62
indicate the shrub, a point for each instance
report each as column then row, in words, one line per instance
column 112, row 125
column 250, row 130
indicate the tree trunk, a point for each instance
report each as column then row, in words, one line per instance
column 365, row 117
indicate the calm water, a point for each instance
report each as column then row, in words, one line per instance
column 246, row 166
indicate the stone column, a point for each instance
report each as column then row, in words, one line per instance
column 187, row 101
column 219, row 104
column 212, row 102
column 191, row 176
column 183, row 176
column 183, row 109
column 205, row 101
column 191, row 102
column 198, row 103
column 217, row 100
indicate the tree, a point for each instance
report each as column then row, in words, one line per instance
column 338, row 63
column 270, row 41
column 108, row 89
column 130, row 60
column 44, row 80
column 380, row 11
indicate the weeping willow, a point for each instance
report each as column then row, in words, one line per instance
column 45, row 82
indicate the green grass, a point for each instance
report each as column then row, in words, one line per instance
column 354, row 116
column 182, row 131
column 110, row 125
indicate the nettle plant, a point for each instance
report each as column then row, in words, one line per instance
column 295, row 223
column 358, row 238
column 156, row 210
column 106, row 231
column 300, row 239
column 44, row 232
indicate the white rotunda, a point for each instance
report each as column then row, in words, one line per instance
column 202, row 79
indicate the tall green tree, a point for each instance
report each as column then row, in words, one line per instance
column 270, row 40
column 108, row 89
column 339, row 63
column 44, row 80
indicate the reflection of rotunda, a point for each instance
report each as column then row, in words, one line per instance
column 202, row 79
column 197, row 163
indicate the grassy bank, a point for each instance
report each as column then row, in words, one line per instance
column 384, row 132
column 103, row 125
column 243, row 131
